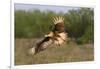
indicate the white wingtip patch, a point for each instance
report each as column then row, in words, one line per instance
column 58, row 19
column 32, row 51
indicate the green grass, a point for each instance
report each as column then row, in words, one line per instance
column 70, row 52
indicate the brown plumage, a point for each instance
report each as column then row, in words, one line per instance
column 57, row 36
column 59, row 27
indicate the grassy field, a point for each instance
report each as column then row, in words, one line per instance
column 70, row 52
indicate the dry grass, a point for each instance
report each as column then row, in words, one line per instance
column 70, row 52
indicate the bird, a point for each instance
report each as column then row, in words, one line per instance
column 56, row 36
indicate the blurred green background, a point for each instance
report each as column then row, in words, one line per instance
column 34, row 24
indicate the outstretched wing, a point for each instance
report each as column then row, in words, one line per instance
column 59, row 24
